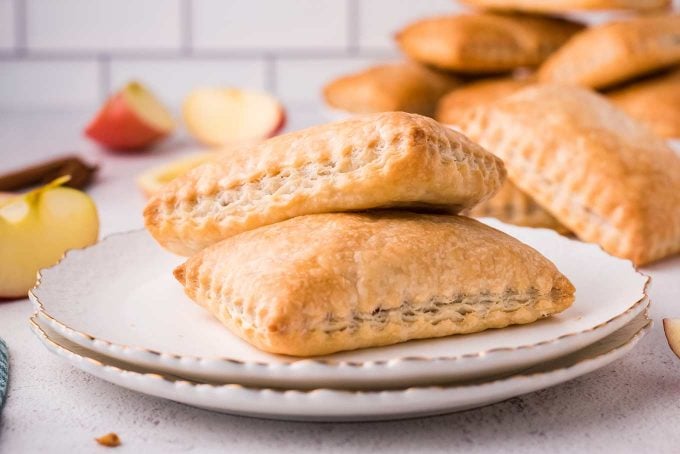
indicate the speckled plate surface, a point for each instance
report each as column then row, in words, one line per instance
column 118, row 298
column 345, row 405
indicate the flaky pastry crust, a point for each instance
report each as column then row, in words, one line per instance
column 602, row 174
column 514, row 206
column 615, row 52
column 484, row 43
column 392, row 159
column 654, row 101
column 510, row 204
column 405, row 86
column 475, row 94
column 323, row 283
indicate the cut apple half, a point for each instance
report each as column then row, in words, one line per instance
column 131, row 119
column 671, row 327
column 152, row 180
column 35, row 230
column 223, row 116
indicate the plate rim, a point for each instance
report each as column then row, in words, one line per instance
column 109, row 345
column 639, row 334
column 156, row 385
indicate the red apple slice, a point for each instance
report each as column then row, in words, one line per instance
column 131, row 119
column 671, row 326
column 222, row 116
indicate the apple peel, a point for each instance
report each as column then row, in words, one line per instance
column 36, row 229
column 131, row 119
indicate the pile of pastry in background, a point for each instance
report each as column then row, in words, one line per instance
column 576, row 112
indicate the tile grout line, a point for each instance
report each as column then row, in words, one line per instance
column 49, row 58
column 104, row 62
column 20, row 27
column 352, row 27
column 270, row 74
column 236, row 54
column 186, row 27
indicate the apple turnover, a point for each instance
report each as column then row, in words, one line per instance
column 563, row 6
column 484, row 43
column 510, row 204
column 406, row 87
column 615, row 52
column 323, row 283
column 514, row 206
column 392, row 159
column 475, row 94
column 654, row 101
column 602, row 174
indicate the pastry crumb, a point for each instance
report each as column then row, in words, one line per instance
column 110, row 439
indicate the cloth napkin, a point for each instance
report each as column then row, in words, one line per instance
column 4, row 372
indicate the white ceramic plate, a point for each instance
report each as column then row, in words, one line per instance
column 119, row 298
column 345, row 405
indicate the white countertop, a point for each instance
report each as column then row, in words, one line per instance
column 632, row 405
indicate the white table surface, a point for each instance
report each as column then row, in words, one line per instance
column 632, row 405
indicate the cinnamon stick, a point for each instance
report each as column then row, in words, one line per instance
column 44, row 172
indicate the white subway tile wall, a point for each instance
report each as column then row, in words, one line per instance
column 299, row 78
column 379, row 20
column 70, row 54
column 48, row 84
column 269, row 25
column 96, row 26
column 7, row 32
column 172, row 78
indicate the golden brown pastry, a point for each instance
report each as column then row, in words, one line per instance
column 559, row 6
column 330, row 282
column 510, row 204
column 615, row 52
column 603, row 175
column 484, row 43
column 392, row 159
column 475, row 94
column 406, row 87
column 654, row 101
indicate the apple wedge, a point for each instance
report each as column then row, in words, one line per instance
column 671, row 327
column 35, row 230
column 222, row 116
column 131, row 119
column 152, row 180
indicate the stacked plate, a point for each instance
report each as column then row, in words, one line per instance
column 115, row 311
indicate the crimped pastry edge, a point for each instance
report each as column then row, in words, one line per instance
column 320, row 342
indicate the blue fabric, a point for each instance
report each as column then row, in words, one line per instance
column 4, row 372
